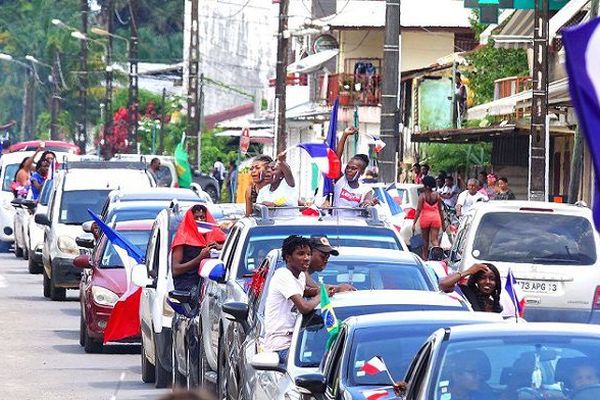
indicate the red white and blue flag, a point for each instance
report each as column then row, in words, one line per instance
column 205, row 227
column 375, row 394
column 517, row 300
column 324, row 157
column 212, row 268
column 376, row 141
column 374, row 366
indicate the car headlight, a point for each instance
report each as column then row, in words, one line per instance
column 103, row 296
column 67, row 245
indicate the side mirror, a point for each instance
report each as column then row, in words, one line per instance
column 213, row 269
column 182, row 296
column 312, row 383
column 82, row 261
column 29, row 204
column 42, row 219
column 85, row 242
column 87, row 226
column 267, row 361
column 17, row 203
column 238, row 312
column 139, row 276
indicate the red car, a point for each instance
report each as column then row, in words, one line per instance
column 52, row 145
column 103, row 282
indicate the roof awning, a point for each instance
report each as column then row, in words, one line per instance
column 518, row 31
column 463, row 135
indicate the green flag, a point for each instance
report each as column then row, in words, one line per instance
column 329, row 319
column 182, row 165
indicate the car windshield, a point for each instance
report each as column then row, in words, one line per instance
column 313, row 335
column 524, row 367
column 75, row 203
column 46, row 190
column 164, row 177
column 133, row 214
column 541, row 238
column 110, row 258
column 9, row 175
column 383, row 342
column 264, row 239
column 367, row 274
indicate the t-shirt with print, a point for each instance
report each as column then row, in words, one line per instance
column 466, row 200
column 280, row 311
column 283, row 196
column 346, row 196
column 454, row 191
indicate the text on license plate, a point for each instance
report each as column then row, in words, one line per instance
column 538, row 286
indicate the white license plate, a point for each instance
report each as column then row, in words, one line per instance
column 539, row 286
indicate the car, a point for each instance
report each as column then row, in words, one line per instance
column 79, row 186
column 227, row 214
column 56, row 146
column 34, row 233
column 261, row 377
column 393, row 336
column 104, row 281
column 134, row 210
column 550, row 248
column 365, row 269
column 249, row 242
column 24, row 208
column 507, row 361
column 209, row 184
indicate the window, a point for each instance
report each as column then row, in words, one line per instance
column 133, row 214
column 9, row 176
column 46, row 191
column 542, row 238
column 111, row 259
column 75, row 203
column 156, row 256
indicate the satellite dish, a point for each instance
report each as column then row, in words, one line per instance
column 312, row 63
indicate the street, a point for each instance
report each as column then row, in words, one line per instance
column 42, row 358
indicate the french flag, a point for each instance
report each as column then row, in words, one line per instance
column 374, row 366
column 124, row 320
column 377, row 142
column 324, row 157
column 212, row 268
column 517, row 300
column 205, row 227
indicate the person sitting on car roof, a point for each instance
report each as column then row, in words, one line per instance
column 261, row 174
column 282, row 191
column 285, row 296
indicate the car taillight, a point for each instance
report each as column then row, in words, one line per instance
column 596, row 302
column 176, row 184
column 410, row 213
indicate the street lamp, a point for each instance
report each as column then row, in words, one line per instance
column 28, row 95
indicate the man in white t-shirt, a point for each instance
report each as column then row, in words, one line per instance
column 285, row 296
column 468, row 198
column 219, row 172
column 449, row 192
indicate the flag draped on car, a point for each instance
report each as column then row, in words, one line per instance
column 329, row 319
column 582, row 46
column 124, row 319
column 182, row 165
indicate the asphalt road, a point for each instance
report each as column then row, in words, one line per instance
column 40, row 353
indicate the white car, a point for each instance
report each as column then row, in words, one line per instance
column 79, row 186
column 551, row 249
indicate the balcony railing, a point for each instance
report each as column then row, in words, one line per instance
column 293, row 80
column 353, row 89
column 510, row 86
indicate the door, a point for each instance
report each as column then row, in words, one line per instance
column 148, row 293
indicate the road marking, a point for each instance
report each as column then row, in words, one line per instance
column 121, row 379
column 3, row 282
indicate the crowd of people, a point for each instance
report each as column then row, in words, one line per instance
column 31, row 175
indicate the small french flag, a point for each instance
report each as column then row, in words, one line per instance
column 212, row 268
column 375, row 394
column 205, row 227
column 379, row 144
column 325, row 158
column 374, row 366
column 517, row 300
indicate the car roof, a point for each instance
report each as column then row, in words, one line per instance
column 381, row 297
column 528, row 206
column 16, row 157
column 138, row 225
column 301, row 220
column 148, row 204
column 158, row 193
column 483, row 331
column 81, row 179
column 382, row 255
column 421, row 317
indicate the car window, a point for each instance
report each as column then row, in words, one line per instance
column 333, row 377
column 164, row 177
column 541, row 366
column 261, row 240
column 541, row 238
column 46, row 191
column 133, row 214
column 9, row 176
column 75, row 203
column 110, row 257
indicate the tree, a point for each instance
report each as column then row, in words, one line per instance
column 456, row 157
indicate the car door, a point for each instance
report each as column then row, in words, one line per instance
column 52, row 204
column 418, row 371
column 149, row 292
column 333, row 366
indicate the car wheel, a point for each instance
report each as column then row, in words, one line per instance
column 56, row 293
column 147, row 367
column 162, row 376
column 203, row 368
column 81, row 329
column 33, row 267
column 91, row 345
column 178, row 380
column 25, row 254
column 212, row 192
column 18, row 251
column 222, row 371
column 46, row 283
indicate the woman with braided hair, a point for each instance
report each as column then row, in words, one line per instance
column 482, row 288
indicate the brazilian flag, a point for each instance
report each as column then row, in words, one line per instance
column 182, row 165
column 329, row 319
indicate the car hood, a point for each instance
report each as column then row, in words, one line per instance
column 362, row 392
column 113, row 279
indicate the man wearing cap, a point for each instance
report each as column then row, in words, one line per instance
column 321, row 251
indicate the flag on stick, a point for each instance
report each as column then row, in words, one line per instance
column 329, row 319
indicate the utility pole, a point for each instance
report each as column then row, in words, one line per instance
column 55, row 100
column 83, row 81
column 577, row 158
column 193, row 116
column 388, row 169
column 200, row 121
column 281, row 76
column 109, row 72
column 161, row 139
column 538, row 141
column 133, row 78
column 28, row 106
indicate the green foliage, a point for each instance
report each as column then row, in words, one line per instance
column 456, row 157
column 489, row 64
column 477, row 26
column 213, row 147
column 65, row 123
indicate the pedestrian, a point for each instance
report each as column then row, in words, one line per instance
column 261, row 174
column 232, row 176
column 219, row 172
column 285, row 296
column 430, row 216
column 491, row 188
column 449, row 192
column 504, row 192
column 424, row 171
column 281, row 192
column 439, row 182
column 38, row 178
column 482, row 179
column 460, row 95
column 348, row 192
column 321, row 251
column 468, row 198
column 482, row 289
column 416, row 172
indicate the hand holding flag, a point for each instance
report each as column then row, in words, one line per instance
column 376, row 365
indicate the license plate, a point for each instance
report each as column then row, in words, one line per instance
column 538, row 286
